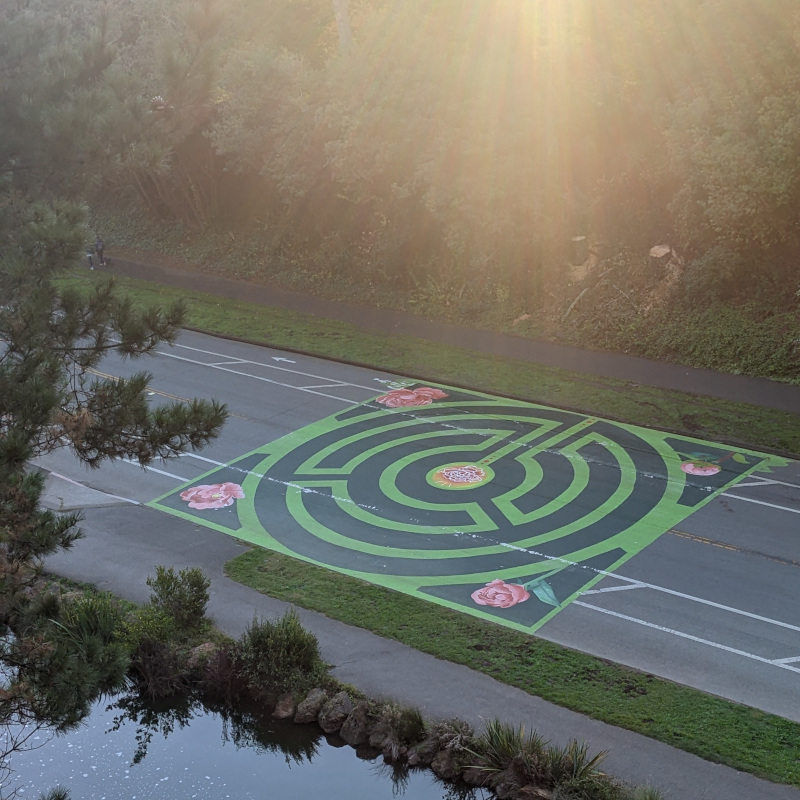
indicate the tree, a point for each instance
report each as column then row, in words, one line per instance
column 61, row 656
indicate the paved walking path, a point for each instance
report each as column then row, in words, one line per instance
column 122, row 548
column 758, row 391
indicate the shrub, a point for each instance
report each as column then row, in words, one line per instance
column 572, row 763
column 454, row 734
column 146, row 623
column 406, row 724
column 222, row 681
column 183, row 596
column 158, row 670
column 279, row 656
column 500, row 745
column 532, row 760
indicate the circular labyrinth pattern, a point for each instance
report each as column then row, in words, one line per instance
column 460, row 490
column 493, row 506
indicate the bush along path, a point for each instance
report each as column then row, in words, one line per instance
column 275, row 668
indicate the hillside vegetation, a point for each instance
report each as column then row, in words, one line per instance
column 508, row 164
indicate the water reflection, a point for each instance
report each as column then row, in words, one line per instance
column 129, row 749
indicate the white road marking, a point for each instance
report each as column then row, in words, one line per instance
column 84, row 486
column 690, row 637
column 267, row 380
column 787, row 660
column 260, row 364
column 153, row 469
column 203, row 458
column 761, row 503
column 614, row 589
column 702, row 601
column 768, row 482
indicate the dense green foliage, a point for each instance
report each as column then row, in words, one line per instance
column 182, row 595
column 442, row 155
column 277, row 656
column 59, row 655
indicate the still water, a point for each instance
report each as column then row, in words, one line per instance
column 130, row 751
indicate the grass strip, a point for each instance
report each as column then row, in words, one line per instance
column 713, row 728
column 704, row 417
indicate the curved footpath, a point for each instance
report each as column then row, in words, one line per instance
column 124, row 543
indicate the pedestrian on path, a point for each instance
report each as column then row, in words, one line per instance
column 99, row 248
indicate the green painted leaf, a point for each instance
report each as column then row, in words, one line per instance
column 739, row 458
column 542, row 589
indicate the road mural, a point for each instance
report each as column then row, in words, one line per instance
column 500, row 508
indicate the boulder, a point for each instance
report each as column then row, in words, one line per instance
column 445, row 765
column 533, row 793
column 354, row 728
column 660, row 251
column 332, row 715
column 284, row 708
column 308, row 710
column 474, row 776
column 378, row 733
column 200, row 654
column 424, row 752
column 391, row 750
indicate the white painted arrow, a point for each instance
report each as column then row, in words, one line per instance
column 287, row 360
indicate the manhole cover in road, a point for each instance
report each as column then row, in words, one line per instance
column 500, row 508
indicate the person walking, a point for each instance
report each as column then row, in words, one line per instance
column 99, row 248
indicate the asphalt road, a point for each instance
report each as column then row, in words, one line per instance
column 711, row 603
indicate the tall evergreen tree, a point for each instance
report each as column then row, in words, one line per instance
column 57, row 658
column 56, row 140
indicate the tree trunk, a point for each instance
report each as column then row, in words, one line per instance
column 341, row 10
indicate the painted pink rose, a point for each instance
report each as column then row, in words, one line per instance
column 700, row 468
column 401, row 398
column 499, row 594
column 216, row 495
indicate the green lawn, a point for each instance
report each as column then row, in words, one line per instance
column 710, row 727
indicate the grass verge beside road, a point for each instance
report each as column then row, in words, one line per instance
column 704, row 417
column 710, row 727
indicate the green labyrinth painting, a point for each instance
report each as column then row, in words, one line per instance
column 499, row 508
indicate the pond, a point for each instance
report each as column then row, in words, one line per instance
column 185, row 751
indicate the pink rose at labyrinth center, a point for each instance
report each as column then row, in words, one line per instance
column 499, row 594
column 401, row 398
column 700, row 468
column 216, row 495
column 464, row 474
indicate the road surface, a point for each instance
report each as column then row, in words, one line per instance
column 696, row 583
